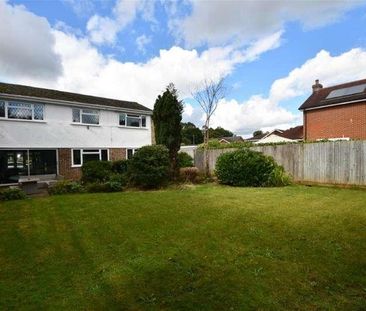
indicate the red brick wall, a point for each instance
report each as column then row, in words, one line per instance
column 74, row 173
column 117, row 154
column 335, row 122
column 64, row 165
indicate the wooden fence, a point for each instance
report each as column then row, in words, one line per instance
column 341, row 162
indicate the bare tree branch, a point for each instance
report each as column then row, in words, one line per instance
column 208, row 95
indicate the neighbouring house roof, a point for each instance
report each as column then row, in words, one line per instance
column 336, row 95
column 232, row 139
column 28, row 91
column 257, row 137
column 293, row 133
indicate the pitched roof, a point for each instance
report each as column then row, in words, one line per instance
column 23, row 90
column 257, row 137
column 319, row 98
column 291, row 133
column 232, row 139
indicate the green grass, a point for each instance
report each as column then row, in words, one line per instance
column 200, row 248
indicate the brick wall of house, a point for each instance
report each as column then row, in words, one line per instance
column 64, row 165
column 117, row 154
column 74, row 173
column 335, row 122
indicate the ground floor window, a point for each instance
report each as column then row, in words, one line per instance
column 26, row 162
column 81, row 156
column 130, row 152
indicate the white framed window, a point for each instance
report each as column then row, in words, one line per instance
column 132, row 120
column 85, row 116
column 21, row 110
column 81, row 156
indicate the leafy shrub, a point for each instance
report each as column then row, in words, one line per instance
column 96, row 171
column 115, row 183
column 12, row 194
column 278, row 178
column 96, row 187
column 188, row 174
column 120, row 178
column 66, row 186
column 184, row 160
column 245, row 167
column 120, row 166
column 149, row 167
column 113, row 186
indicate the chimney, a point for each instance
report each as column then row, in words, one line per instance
column 317, row 86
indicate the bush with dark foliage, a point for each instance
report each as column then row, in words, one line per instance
column 149, row 167
column 12, row 194
column 120, row 166
column 65, row 187
column 184, row 160
column 245, row 167
column 96, row 171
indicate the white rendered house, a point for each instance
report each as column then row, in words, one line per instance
column 46, row 133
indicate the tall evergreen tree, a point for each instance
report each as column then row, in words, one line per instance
column 167, row 117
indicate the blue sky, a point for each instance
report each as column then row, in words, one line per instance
column 269, row 52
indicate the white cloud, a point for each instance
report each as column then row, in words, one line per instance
column 256, row 113
column 141, row 42
column 26, row 44
column 80, row 67
column 81, row 7
column 105, row 29
column 188, row 110
column 329, row 69
column 264, row 113
column 102, row 29
column 88, row 71
column 216, row 22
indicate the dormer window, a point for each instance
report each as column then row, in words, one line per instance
column 132, row 120
column 85, row 116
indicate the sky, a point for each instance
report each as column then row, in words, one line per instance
column 269, row 52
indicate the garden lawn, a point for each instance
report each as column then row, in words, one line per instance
column 198, row 248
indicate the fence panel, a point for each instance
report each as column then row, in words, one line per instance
column 340, row 162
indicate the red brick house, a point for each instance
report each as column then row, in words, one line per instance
column 336, row 112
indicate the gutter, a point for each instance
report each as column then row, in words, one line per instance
column 73, row 104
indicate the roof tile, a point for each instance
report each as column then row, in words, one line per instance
column 319, row 98
column 23, row 90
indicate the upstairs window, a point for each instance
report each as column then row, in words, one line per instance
column 85, row 116
column 132, row 120
column 2, row 109
column 21, row 110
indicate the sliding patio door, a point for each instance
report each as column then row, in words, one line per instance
column 17, row 163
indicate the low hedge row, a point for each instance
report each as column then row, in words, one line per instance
column 12, row 194
column 149, row 168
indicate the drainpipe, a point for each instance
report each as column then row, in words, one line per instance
column 28, row 166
